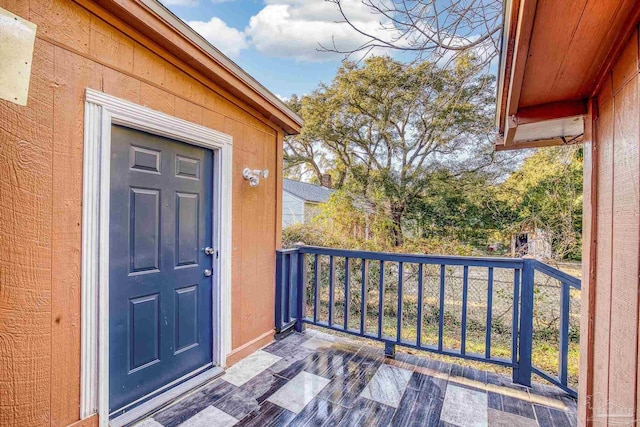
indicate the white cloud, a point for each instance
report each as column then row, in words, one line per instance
column 297, row 28
column 228, row 40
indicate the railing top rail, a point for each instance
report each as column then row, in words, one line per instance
column 558, row 274
column 287, row 251
column 498, row 262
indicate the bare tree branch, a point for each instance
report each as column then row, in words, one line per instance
column 435, row 30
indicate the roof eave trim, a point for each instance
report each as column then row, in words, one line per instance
column 147, row 21
column 506, row 57
column 223, row 60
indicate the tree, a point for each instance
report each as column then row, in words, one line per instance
column 381, row 127
column 546, row 193
column 463, row 206
column 428, row 29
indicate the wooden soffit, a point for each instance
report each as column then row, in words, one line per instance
column 554, row 54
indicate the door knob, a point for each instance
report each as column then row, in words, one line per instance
column 207, row 273
column 209, row 251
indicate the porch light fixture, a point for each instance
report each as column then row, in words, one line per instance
column 253, row 175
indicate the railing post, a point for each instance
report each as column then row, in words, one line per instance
column 298, row 289
column 279, row 291
column 522, row 373
column 390, row 350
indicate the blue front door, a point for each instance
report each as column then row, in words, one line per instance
column 160, row 296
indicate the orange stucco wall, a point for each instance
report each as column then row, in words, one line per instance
column 610, row 300
column 40, row 199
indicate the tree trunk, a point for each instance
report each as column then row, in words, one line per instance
column 396, row 217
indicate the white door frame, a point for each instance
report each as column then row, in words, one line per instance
column 102, row 111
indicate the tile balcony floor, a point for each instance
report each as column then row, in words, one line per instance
column 316, row 379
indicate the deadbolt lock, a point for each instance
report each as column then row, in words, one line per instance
column 209, row 251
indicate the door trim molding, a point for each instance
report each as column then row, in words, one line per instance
column 102, row 111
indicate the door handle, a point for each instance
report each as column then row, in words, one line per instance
column 209, row 251
column 207, row 273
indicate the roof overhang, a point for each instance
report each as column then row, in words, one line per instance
column 553, row 58
column 160, row 27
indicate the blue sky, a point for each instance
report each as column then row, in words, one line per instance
column 276, row 41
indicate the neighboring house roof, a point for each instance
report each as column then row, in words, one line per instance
column 307, row 192
column 548, row 71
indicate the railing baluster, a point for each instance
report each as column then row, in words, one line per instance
column 300, row 287
column 316, row 290
column 399, row 311
column 347, row 296
column 332, row 272
column 465, row 292
column 381, row 299
column 287, row 288
column 515, row 317
column 280, row 291
column 293, row 284
column 487, row 339
column 363, row 296
column 441, row 312
column 419, row 327
column 564, row 333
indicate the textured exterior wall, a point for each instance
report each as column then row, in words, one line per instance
column 610, row 299
column 40, row 199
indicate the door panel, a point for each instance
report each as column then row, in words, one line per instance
column 160, row 302
column 186, row 319
column 186, row 229
column 144, row 223
column 144, row 333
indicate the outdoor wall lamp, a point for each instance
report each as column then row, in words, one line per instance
column 253, row 175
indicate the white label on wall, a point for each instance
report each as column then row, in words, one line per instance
column 17, row 37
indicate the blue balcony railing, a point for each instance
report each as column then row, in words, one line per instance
column 450, row 305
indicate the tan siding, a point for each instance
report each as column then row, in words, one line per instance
column 73, row 74
column 624, row 277
column 40, row 200
column 603, row 259
column 26, row 138
column 614, row 349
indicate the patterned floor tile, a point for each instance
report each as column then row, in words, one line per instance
column 149, row 422
column 316, row 343
column 368, row 413
column 549, row 417
column 346, row 389
column 388, row 385
column 291, row 366
column 315, row 379
column 267, row 415
column 249, row 367
column 329, row 363
column 295, row 395
column 464, row 407
column 319, row 412
column 506, row 419
column 210, row 417
column 418, row 408
column 251, row 394
column 194, row 403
